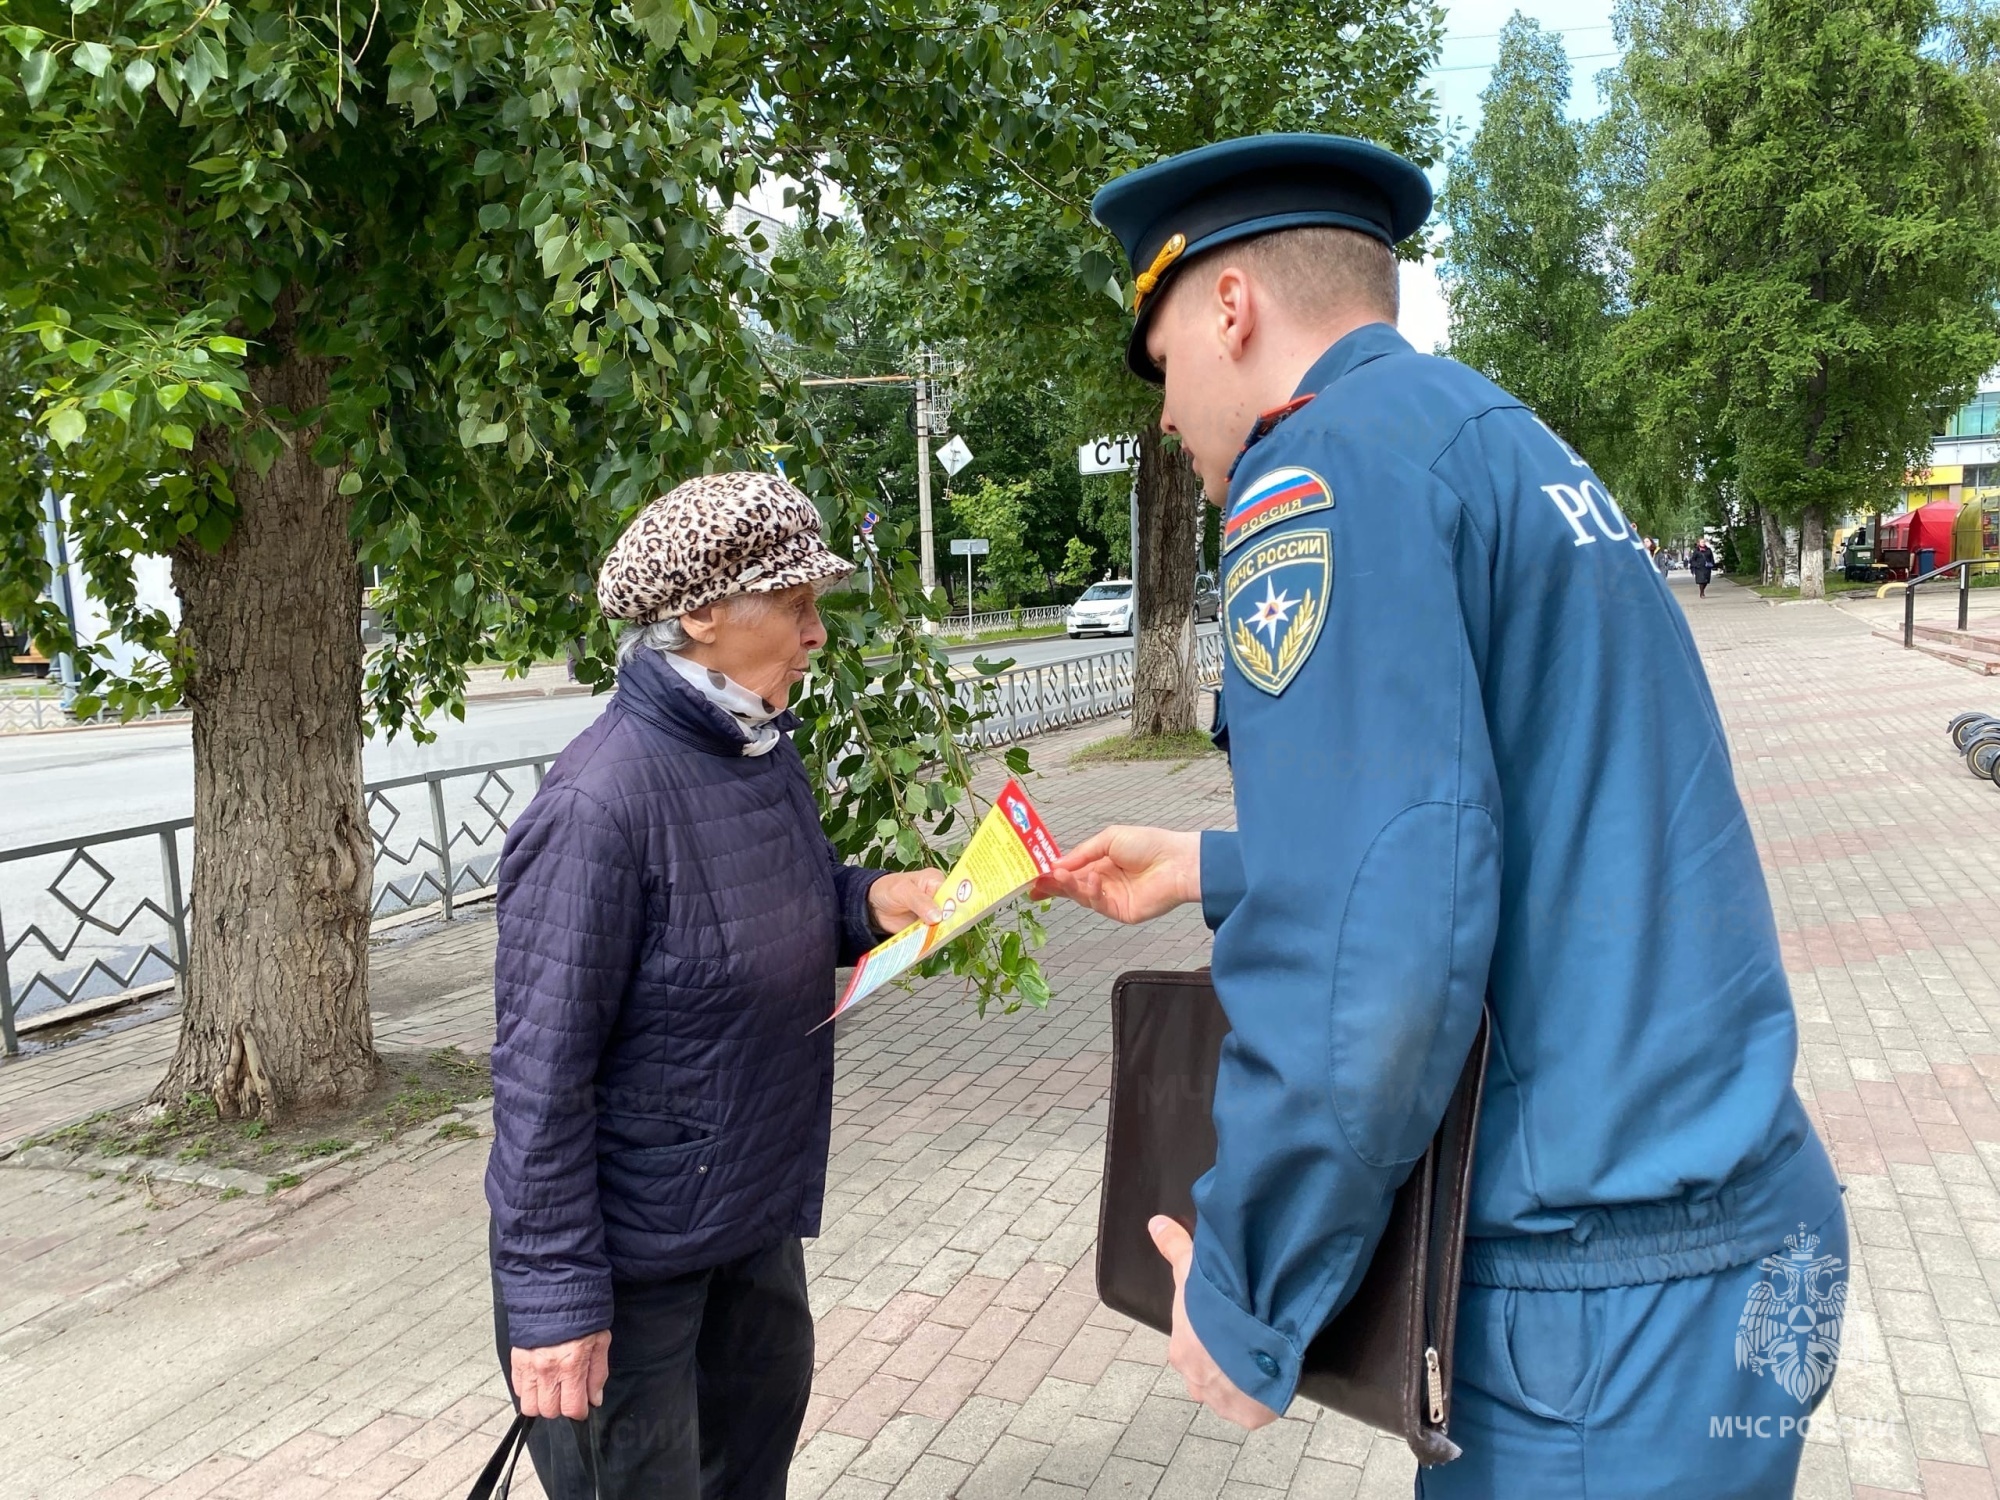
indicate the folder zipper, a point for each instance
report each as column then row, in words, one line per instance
column 1434, row 1378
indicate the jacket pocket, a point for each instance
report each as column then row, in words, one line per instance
column 657, row 1188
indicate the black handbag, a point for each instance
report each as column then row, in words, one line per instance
column 1386, row 1358
column 496, row 1480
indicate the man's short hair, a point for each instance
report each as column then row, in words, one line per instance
column 1319, row 272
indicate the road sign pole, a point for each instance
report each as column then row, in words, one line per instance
column 927, row 553
column 1135, row 557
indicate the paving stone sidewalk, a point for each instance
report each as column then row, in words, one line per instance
column 334, row 1341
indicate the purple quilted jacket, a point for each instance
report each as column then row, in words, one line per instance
column 670, row 919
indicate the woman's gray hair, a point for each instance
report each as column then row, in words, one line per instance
column 670, row 635
column 661, row 635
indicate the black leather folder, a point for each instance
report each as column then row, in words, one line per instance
column 1385, row 1358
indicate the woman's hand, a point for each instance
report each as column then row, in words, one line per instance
column 1128, row 874
column 563, row 1380
column 895, row 901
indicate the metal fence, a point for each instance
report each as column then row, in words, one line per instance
column 1031, row 700
column 23, row 711
column 95, row 917
column 83, row 919
column 992, row 622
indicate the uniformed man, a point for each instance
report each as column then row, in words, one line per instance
column 1466, row 772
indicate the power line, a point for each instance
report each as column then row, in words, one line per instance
column 1486, row 67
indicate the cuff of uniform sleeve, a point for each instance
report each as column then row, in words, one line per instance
column 1260, row 1361
column 1221, row 875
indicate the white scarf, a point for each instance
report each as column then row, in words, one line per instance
column 742, row 705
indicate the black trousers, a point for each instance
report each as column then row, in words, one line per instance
column 709, row 1378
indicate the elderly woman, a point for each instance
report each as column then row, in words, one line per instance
column 670, row 919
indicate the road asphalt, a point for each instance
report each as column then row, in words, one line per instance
column 72, row 783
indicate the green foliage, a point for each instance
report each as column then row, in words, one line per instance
column 997, row 512
column 1812, row 212
column 497, row 232
column 1013, row 420
column 1078, row 564
column 1523, row 268
column 473, row 260
column 884, row 724
column 1007, row 259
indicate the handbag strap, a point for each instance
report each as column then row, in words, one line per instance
column 496, row 1480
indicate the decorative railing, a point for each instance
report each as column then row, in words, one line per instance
column 23, row 711
column 992, row 622
column 98, row 917
column 1031, row 700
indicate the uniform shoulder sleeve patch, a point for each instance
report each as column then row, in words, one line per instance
column 1276, row 496
column 1274, row 601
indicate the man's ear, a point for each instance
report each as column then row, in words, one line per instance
column 1235, row 311
column 700, row 624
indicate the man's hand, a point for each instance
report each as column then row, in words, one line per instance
column 1205, row 1381
column 1128, row 874
column 563, row 1380
column 895, row 901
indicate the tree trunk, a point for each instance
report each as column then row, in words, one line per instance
column 275, row 997
column 1812, row 554
column 1163, row 676
column 1772, row 567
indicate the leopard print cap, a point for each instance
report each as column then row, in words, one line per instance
column 718, row 535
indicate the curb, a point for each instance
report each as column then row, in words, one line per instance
column 178, row 716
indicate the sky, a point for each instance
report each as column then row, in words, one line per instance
column 1471, row 44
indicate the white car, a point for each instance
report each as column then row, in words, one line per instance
column 1102, row 609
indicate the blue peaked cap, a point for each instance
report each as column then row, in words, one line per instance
column 1254, row 185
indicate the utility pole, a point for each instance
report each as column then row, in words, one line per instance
column 57, row 548
column 927, row 559
column 934, row 400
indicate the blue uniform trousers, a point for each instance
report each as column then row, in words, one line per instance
column 1620, row 1393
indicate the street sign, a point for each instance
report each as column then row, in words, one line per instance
column 971, row 546
column 1108, row 455
column 954, row 455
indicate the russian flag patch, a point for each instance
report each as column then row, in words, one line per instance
column 1277, row 496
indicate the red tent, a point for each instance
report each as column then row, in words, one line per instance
column 1928, row 527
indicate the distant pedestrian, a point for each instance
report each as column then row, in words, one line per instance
column 670, row 918
column 1701, row 563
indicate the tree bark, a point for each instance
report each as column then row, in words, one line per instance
column 1772, row 568
column 1812, row 554
column 275, row 997
column 1163, row 676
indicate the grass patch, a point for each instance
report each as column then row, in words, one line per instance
column 1021, row 633
column 414, row 1088
column 1181, row 747
column 1835, row 584
column 457, row 1130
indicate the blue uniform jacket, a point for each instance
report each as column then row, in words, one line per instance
column 1476, row 760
